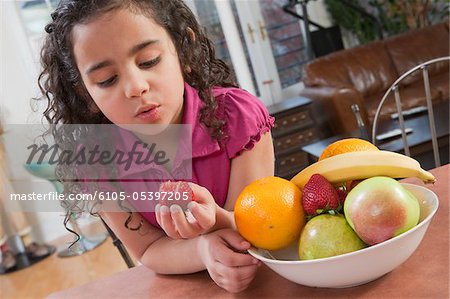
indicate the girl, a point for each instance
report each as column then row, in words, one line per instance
column 149, row 62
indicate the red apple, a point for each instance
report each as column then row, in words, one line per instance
column 380, row 208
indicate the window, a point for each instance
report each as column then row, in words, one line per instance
column 259, row 41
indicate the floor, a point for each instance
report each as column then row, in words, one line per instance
column 55, row 273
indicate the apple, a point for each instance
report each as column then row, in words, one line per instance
column 327, row 235
column 380, row 208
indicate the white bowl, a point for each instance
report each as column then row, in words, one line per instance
column 358, row 267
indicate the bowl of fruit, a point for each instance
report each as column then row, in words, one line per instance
column 357, row 222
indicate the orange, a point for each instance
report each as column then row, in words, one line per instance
column 269, row 213
column 347, row 145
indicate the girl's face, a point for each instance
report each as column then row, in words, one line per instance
column 130, row 67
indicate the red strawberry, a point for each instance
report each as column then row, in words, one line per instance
column 179, row 193
column 319, row 195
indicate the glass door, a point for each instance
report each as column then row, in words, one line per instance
column 261, row 42
column 218, row 18
column 275, row 39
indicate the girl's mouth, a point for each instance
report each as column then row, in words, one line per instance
column 148, row 113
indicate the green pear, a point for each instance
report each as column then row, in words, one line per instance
column 380, row 208
column 327, row 235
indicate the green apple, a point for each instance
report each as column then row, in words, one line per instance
column 380, row 208
column 327, row 235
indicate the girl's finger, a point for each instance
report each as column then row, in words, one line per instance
column 157, row 214
column 214, row 271
column 205, row 217
column 183, row 227
column 202, row 195
column 167, row 223
column 240, row 273
column 235, row 240
column 230, row 258
column 237, row 279
column 248, row 272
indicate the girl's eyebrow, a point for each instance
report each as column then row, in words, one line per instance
column 133, row 51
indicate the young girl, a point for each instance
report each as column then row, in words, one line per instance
column 149, row 62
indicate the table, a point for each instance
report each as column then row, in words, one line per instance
column 425, row 274
column 419, row 140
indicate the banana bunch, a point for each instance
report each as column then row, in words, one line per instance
column 364, row 164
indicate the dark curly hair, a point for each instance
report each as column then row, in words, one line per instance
column 68, row 101
column 60, row 80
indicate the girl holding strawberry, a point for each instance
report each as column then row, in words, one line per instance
column 139, row 62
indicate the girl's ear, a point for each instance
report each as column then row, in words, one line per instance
column 192, row 37
column 191, row 34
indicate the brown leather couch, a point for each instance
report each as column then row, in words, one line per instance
column 362, row 75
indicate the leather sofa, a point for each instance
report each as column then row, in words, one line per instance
column 361, row 75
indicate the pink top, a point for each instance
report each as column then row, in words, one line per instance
column 246, row 120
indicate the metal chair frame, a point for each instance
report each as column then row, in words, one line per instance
column 119, row 245
column 395, row 88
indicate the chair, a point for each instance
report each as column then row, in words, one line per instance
column 119, row 245
column 395, row 89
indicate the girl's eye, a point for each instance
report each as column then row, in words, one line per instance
column 150, row 63
column 108, row 82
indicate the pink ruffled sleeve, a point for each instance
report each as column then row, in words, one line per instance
column 247, row 119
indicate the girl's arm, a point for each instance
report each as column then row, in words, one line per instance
column 251, row 165
column 222, row 251
column 146, row 244
column 218, row 252
column 152, row 247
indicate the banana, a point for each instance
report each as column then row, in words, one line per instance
column 362, row 165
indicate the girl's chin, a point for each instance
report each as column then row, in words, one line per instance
column 145, row 129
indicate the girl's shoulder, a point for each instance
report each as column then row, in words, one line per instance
column 235, row 103
column 235, row 95
column 246, row 118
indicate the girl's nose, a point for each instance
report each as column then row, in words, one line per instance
column 136, row 85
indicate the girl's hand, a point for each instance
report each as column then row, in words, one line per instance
column 222, row 252
column 200, row 218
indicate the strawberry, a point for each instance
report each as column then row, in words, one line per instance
column 179, row 193
column 319, row 195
